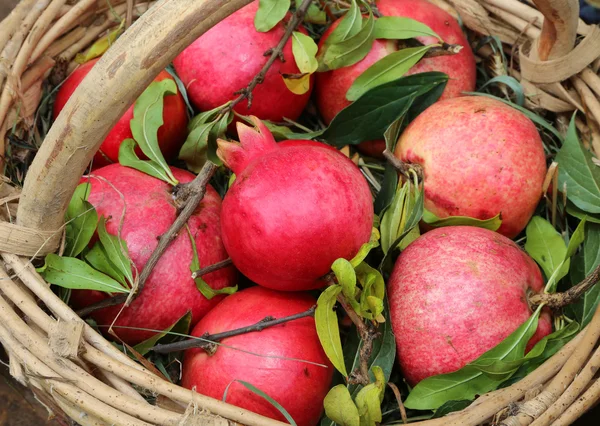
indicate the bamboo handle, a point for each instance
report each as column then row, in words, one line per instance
column 111, row 87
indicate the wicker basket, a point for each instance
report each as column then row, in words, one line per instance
column 72, row 369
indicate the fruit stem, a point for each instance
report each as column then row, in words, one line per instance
column 559, row 300
column 189, row 196
column 276, row 52
column 211, row 268
column 402, row 167
column 207, row 341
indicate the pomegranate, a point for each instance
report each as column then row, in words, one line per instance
column 455, row 293
column 480, row 157
column 272, row 359
column 332, row 86
column 294, row 208
column 227, row 57
column 148, row 211
column 171, row 135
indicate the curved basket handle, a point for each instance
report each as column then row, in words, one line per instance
column 559, row 30
column 111, row 87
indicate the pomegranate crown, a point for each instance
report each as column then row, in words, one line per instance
column 254, row 142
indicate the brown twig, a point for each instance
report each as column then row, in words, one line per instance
column 207, row 341
column 368, row 334
column 444, row 50
column 276, row 52
column 396, row 391
column 211, row 268
column 558, row 300
column 402, row 167
column 189, row 196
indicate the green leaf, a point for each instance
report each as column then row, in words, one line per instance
column 435, row 222
column 369, row 405
column 81, row 219
column 128, row 158
column 414, row 216
column 349, row 26
column 304, row 49
column 116, row 250
column 340, row 408
column 263, row 395
column 69, row 272
column 371, row 281
column 392, row 134
column 202, row 286
column 270, row 13
column 148, row 118
column 378, row 108
column 366, row 248
column 98, row 258
column 375, row 306
column 511, row 82
column 451, row 407
column 388, row 68
column 583, row 265
column 328, row 329
column 346, row 277
column 398, row 219
column 351, row 50
column 194, row 150
column 577, row 170
column 575, row 211
column 314, row 14
column 546, row 246
column 400, row 28
column 217, row 131
column 181, row 326
column 388, row 188
column 470, row 380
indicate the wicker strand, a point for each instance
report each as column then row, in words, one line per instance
column 583, row 404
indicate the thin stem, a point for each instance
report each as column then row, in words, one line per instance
column 276, row 52
column 403, row 167
column 212, row 268
column 188, row 195
column 558, row 300
column 209, row 339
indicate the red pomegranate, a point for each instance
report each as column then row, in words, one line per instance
column 480, row 157
column 148, row 213
column 271, row 360
column 455, row 293
column 171, row 135
column 332, row 86
column 294, row 209
column 227, row 57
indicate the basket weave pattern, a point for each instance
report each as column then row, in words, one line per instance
column 78, row 374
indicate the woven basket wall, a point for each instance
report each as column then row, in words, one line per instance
column 72, row 369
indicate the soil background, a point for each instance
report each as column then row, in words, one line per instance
column 18, row 406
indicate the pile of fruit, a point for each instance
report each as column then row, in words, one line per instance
column 375, row 239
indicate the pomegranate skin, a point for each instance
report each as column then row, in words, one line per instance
column 455, row 293
column 170, row 291
column 298, row 386
column 227, row 57
column 480, row 157
column 294, row 209
column 171, row 135
column 332, row 86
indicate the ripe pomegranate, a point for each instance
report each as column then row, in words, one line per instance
column 294, row 209
column 227, row 57
column 272, row 358
column 171, row 135
column 455, row 293
column 480, row 157
column 149, row 212
column 331, row 87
